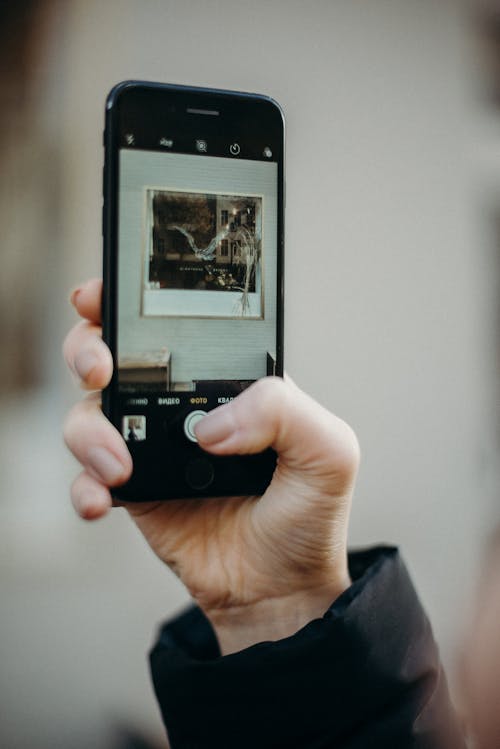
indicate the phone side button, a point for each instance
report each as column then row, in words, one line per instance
column 199, row 473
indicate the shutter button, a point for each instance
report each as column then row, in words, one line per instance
column 190, row 422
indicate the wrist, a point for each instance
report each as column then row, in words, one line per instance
column 272, row 618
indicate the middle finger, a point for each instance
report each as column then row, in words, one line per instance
column 87, row 355
column 96, row 443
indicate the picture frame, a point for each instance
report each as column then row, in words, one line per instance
column 202, row 254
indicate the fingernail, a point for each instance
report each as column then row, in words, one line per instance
column 85, row 361
column 74, row 294
column 216, row 426
column 105, row 464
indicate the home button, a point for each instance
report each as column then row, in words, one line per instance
column 199, row 473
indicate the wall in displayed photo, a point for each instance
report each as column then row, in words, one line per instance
column 203, row 255
column 197, row 274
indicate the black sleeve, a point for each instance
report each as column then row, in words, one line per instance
column 366, row 675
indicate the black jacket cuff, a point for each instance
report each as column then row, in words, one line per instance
column 367, row 674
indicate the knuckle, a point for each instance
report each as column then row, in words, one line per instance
column 104, row 353
column 69, row 428
column 271, row 399
column 347, row 448
column 66, row 348
column 269, row 393
column 72, row 342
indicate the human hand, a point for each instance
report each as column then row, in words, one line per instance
column 259, row 567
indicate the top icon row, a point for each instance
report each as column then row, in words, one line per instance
column 201, row 145
column 234, row 149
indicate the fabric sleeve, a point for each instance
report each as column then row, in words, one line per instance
column 367, row 674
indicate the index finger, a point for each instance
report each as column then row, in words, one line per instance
column 86, row 299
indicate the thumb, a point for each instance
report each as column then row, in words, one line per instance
column 276, row 413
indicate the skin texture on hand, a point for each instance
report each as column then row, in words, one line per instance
column 259, row 567
column 479, row 666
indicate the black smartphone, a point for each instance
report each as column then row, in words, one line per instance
column 193, row 232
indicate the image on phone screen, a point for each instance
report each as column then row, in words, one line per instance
column 196, row 273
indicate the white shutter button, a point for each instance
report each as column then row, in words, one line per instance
column 189, row 423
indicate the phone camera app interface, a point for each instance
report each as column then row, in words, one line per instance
column 197, row 284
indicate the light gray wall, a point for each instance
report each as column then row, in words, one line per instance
column 390, row 321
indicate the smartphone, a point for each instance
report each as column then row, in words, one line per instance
column 193, row 233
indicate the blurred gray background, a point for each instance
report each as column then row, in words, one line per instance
column 392, row 316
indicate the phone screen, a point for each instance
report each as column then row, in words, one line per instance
column 197, row 271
